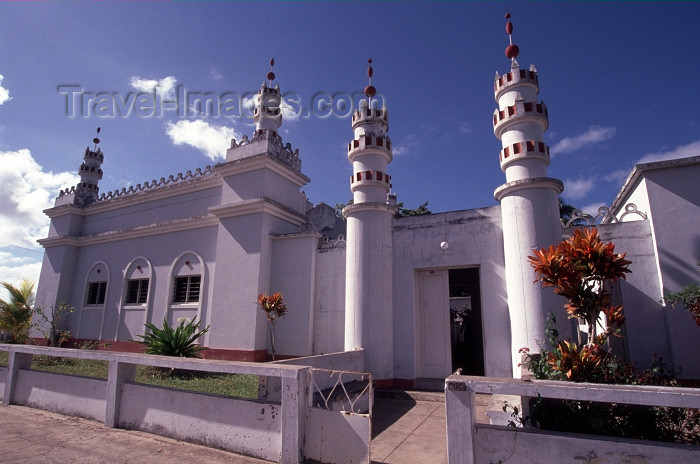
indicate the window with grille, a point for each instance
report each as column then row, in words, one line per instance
column 186, row 289
column 137, row 291
column 96, row 293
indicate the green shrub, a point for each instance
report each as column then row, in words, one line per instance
column 180, row 341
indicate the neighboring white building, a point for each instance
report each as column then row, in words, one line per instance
column 423, row 295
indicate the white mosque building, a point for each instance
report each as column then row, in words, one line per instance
column 422, row 295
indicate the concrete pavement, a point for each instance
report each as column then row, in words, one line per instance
column 406, row 429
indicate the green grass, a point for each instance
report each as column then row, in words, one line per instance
column 234, row 385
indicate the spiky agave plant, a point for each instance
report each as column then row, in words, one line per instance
column 179, row 341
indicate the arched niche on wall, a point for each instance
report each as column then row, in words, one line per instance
column 92, row 307
column 188, row 285
column 136, row 300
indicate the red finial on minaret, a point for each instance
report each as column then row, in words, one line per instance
column 370, row 91
column 96, row 140
column 512, row 50
column 271, row 75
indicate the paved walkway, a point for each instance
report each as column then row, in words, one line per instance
column 405, row 429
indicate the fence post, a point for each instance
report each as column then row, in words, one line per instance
column 16, row 362
column 295, row 402
column 460, row 412
column 119, row 373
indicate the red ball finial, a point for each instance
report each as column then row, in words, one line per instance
column 96, row 140
column 370, row 91
column 512, row 50
column 271, row 75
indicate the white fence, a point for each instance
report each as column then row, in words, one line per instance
column 285, row 429
column 469, row 442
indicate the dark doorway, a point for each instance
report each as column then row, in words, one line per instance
column 465, row 321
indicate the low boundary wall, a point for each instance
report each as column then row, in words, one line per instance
column 469, row 442
column 272, row 430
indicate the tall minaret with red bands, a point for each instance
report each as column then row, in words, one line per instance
column 529, row 198
column 369, row 252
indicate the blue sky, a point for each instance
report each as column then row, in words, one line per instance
column 618, row 79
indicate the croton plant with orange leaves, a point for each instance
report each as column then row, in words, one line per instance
column 582, row 269
column 274, row 308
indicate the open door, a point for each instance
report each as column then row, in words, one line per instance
column 466, row 336
column 434, row 351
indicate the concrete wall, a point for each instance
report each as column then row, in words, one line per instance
column 271, row 430
column 645, row 331
column 3, row 380
column 246, row 427
column 151, row 207
column 469, row 443
column 498, row 444
column 475, row 240
column 292, row 274
column 329, row 299
column 76, row 396
column 675, row 204
column 667, row 192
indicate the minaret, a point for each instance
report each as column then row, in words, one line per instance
column 369, row 254
column 90, row 174
column 268, row 114
column 529, row 199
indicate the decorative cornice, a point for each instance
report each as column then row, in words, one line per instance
column 358, row 207
column 256, row 206
column 636, row 173
column 261, row 161
column 179, row 225
column 535, row 182
column 136, row 195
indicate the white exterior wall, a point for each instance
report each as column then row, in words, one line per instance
column 292, row 274
column 146, row 208
column 161, row 251
column 329, row 299
column 646, row 330
column 475, row 239
column 667, row 192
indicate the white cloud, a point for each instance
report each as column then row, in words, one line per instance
column 592, row 209
column 164, row 87
column 25, row 192
column 399, row 150
column 464, row 128
column 594, row 134
column 684, row 151
column 618, row 176
column 211, row 140
column 215, row 74
column 4, row 93
column 575, row 189
column 16, row 268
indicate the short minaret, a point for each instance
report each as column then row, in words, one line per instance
column 529, row 199
column 268, row 114
column 369, row 254
column 90, row 174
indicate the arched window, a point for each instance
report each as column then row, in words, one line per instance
column 137, row 280
column 92, row 310
column 187, row 279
